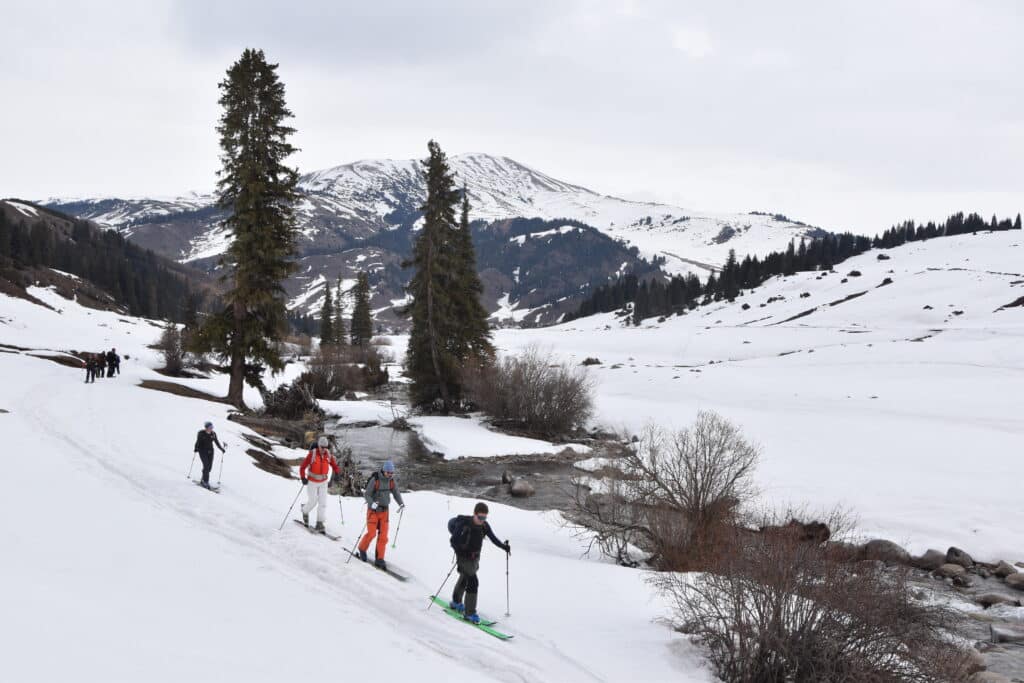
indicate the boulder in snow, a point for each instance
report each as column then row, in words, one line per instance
column 949, row 571
column 931, row 560
column 886, row 551
column 986, row 600
column 1015, row 581
column 1004, row 569
column 521, row 488
column 956, row 556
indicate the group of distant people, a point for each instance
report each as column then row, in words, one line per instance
column 102, row 364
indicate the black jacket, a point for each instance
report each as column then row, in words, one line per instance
column 205, row 441
column 468, row 538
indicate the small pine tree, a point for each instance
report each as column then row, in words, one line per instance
column 327, row 333
column 472, row 338
column 362, row 323
column 1016, row 223
column 340, row 334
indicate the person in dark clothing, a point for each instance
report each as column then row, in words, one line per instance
column 467, row 540
column 101, row 364
column 112, row 362
column 90, row 368
column 204, row 447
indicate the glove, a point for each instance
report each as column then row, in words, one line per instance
column 304, row 481
column 508, row 548
column 373, row 507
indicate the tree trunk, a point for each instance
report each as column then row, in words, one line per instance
column 237, row 360
column 442, row 382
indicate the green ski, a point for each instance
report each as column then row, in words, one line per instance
column 484, row 625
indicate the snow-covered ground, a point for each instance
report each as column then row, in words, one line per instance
column 117, row 568
column 456, row 437
column 902, row 404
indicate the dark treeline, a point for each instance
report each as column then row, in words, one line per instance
column 135, row 277
column 656, row 297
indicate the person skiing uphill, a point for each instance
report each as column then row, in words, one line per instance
column 204, row 447
column 379, row 489
column 467, row 540
column 315, row 472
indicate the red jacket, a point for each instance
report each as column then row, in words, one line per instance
column 320, row 462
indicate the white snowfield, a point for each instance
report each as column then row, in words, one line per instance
column 117, row 568
column 902, row 404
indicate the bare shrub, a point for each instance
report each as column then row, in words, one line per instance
column 336, row 370
column 777, row 608
column 674, row 494
column 530, row 392
column 381, row 341
column 293, row 401
column 172, row 345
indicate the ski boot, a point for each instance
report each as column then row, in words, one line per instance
column 305, row 519
column 380, row 564
column 320, row 528
column 472, row 618
column 361, row 554
column 205, row 484
column 457, row 606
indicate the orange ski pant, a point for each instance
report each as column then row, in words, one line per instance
column 376, row 524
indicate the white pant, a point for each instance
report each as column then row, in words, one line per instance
column 316, row 496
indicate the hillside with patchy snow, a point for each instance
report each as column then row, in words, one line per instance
column 363, row 216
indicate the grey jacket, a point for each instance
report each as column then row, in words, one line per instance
column 379, row 490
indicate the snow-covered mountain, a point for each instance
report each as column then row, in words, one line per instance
column 364, row 213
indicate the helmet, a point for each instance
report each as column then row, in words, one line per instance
column 208, row 425
column 322, row 442
column 388, row 466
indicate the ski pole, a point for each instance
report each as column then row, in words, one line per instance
column 221, row 472
column 341, row 509
column 441, row 587
column 189, row 475
column 506, row 583
column 398, row 527
column 288, row 514
column 360, row 535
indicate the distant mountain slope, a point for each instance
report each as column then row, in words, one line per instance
column 348, row 216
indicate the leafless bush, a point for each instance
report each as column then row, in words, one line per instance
column 381, row 341
column 335, row 370
column 531, row 392
column 777, row 608
column 674, row 494
column 291, row 402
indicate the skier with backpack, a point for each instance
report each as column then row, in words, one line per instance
column 378, row 491
column 204, row 447
column 467, row 540
column 315, row 472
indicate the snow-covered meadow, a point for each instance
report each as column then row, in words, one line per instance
column 901, row 403
column 117, row 568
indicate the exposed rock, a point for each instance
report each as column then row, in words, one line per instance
column 883, row 257
column 1004, row 569
column 1019, row 564
column 886, row 551
column 1005, row 634
column 489, row 481
column 988, row 677
column 949, row 571
column 963, row 581
column 521, row 488
column 983, row 572
column 957, row 556
column 1015, row 581
column 931, row 560
column 976, row 661
column 988, row 599
column 506, row 478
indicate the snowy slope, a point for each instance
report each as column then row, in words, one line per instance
column 116, row 568
column 902, row 403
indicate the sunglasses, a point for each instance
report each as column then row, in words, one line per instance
column 389, row 474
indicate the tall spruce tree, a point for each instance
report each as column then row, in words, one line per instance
column 472, row 338
column 340, row 334
column 327, row 332
column 362, row 323
column 258, row 190
column 430, row 362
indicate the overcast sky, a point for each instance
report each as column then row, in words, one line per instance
column 850, row 115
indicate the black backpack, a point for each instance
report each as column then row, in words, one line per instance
column 457, row 527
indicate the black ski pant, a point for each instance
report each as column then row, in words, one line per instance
column 89, row 375
column 207, row 458
column 468, row 584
